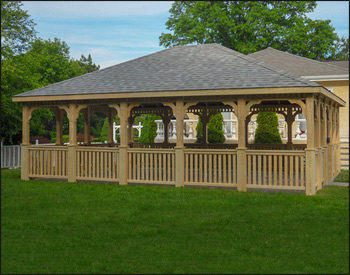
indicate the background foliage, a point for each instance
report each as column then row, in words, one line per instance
column 250, row 26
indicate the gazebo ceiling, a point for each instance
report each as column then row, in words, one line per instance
column 180, row 68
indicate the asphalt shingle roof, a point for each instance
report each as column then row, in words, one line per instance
column 297, row 65
column 180, row 68
column 339, row 63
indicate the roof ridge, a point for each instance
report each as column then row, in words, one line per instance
column 309, row 59
column 265, row 65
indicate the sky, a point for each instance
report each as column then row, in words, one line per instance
column 115, row 32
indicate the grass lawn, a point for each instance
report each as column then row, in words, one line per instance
column 343, row 176
column 60, row 227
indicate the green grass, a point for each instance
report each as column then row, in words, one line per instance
column 60, row 227
column 343, row 176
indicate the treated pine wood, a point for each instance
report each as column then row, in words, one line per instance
column 254, row 170
column 291, row 161
column 296, row 171
column 224, row 170
column 173, row 167
column 270, row 169
column 285, row 170
column 234, row 169
column 275, row 168
column 155, row 167
column 195, row 167
column 169, row 167
column 215, row 169
column 210, row 179
column 205, row 168
column 264, row 170
column 230, row 169
column 219, row 169
column 191, row 167
column 280, row 170
column 259, row 169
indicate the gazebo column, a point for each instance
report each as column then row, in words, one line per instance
column 337, row 131
column 59, row 124
column 330, row 143
column 205, row 119
column 26, row 115
column 72, row 114
column 310, row 163
column 179, row 149
column 111, row 114
column 323, row 138
column 289, row 119
column 166, row 121
column 317, row 133
column 123, row 154
column 87, row 116
column 241, row 149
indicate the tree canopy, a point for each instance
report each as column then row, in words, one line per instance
column 250, row 26
column 17, row 29
column 29, row 63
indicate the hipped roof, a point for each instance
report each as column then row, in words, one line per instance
column 180, row 68
column 298, row 65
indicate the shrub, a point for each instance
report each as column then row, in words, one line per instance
column 64, row 137
column 214, row 126
column 149, row 130
column 267, row 131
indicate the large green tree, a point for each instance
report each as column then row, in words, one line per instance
column 47, row 62
column 342, row 50
column 17, row 29
column 250, row 26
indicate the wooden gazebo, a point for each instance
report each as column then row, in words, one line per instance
column 198, row 79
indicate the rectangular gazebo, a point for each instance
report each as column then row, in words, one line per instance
column 199, row 79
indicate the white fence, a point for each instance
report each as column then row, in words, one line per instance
column 10, row 156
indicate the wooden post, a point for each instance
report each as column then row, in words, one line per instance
column 323, row 137
column 59, row 127
column 241, row 149
column 179, row 149
column 110, row 126
column 26, row 114
column 317, row 133
column 310, row 174
column 87, row 116
column 123, row 153
column 72, row 116
column 338, row 139
column 330, row 144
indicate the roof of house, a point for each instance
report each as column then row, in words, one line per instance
column 180, row 68
column 298, row 65
column 339, row 63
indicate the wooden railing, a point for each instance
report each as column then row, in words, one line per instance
column 276, row 169
column 210, row 167
column 97, row 163
column 151, row 166
column 47, row 161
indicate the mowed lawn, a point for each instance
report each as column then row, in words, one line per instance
column 60, row 227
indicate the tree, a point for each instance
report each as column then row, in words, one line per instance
column 149, row 130
column 214, row 126
column 17, row 30
column 87, row 64
column 250, row 26
column 342, row 50
column 47, row 62
column 267, row 131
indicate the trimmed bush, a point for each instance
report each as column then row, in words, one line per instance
column 267, row 131
column 149, row 129
column 215, row 132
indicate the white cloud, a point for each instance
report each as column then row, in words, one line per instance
column 95, row 9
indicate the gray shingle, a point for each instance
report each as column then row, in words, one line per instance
column 194, row 67
column 298, row 65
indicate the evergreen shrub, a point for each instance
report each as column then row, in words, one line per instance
column 267, row 131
